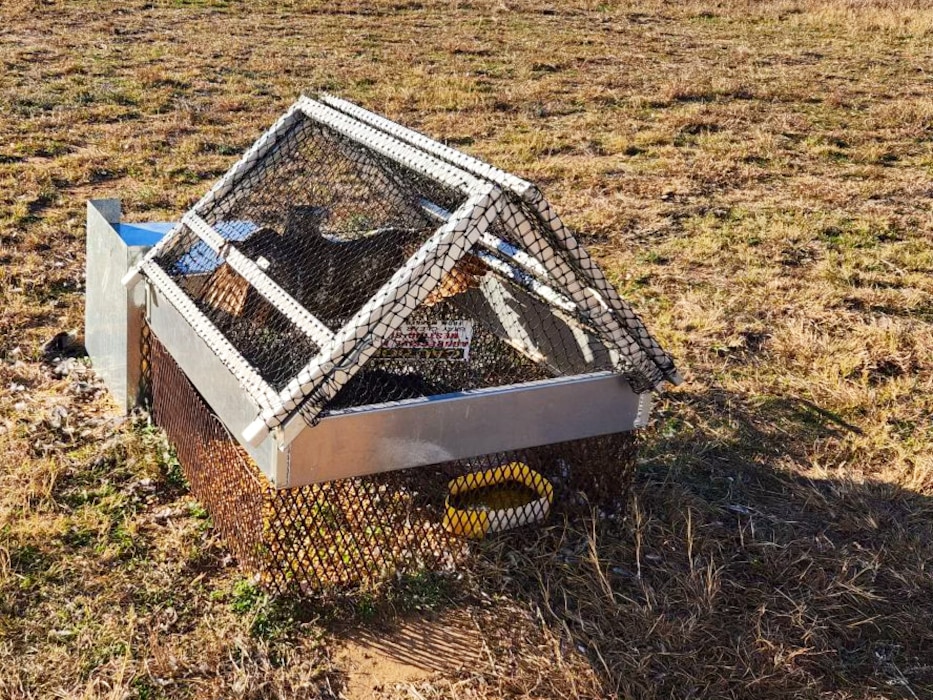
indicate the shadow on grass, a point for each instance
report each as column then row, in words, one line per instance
column 731, row 575
column 734, row 576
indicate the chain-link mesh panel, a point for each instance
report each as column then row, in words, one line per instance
column 267, row 339
column 360, row 531
column 563, row 275
column 220, row 473
column 144, row 397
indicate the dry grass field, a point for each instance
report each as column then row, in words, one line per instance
column 756, row 177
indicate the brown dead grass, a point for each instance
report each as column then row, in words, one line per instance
column 754, row 176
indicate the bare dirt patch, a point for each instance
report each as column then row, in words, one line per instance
column 413, row 649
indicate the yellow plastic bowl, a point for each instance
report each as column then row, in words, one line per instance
column 504, row 508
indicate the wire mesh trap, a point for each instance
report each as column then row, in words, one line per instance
column 391, row 331
column 362, row 530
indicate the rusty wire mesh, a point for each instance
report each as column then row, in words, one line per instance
column 145, row 366
column 358, row 532
column 220, row 473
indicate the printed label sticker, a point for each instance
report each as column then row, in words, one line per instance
column 442, row 340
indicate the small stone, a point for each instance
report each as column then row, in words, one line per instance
column 58, row 417
column 65, row 367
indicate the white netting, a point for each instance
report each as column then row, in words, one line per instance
column 346, row 260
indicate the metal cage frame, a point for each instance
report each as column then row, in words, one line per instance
column 283, row 431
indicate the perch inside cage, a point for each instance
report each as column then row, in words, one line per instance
column 371, row 321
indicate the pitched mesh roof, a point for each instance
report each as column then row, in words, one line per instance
column 318, row 266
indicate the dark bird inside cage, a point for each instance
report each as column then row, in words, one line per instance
column 331, row 273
